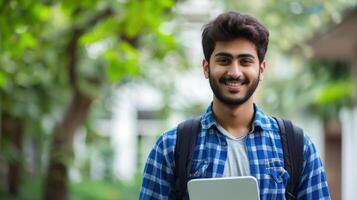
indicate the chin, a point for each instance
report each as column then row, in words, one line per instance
column 234, row 97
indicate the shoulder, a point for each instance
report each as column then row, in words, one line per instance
column 167, row 141
column 310, row 151
column 265, row 122
column 161, row 155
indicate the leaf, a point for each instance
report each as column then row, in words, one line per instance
column 100, row 32
column 41, row 12
column 124, row 62
column 335, row 92
column 2, row 79
column 130, row 58
column 134, row 20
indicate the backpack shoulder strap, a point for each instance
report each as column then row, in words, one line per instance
column 187, row 133
column 292, row 140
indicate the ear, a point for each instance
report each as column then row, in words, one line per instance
column 205, row 66
column 262, row 69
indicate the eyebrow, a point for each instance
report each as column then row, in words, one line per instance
column 243, row 55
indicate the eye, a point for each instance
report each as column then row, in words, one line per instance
column 246, row 61
column 223, row 60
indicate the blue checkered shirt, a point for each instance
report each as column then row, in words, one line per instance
column 265, row 155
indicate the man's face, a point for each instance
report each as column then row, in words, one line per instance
column 234, row 71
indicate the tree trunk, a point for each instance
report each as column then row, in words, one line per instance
column 12, row 131
column 61, row 151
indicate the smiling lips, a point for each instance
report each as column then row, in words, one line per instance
column 234, row 83
column 234, row 86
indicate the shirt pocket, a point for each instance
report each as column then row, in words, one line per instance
column 278, row 174
column 198, row 169
column 276, row 178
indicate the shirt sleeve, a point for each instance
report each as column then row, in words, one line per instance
column 158, row 172
column 313, row 184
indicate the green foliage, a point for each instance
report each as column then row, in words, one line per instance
column 84, row 190
column 103, row 41
column 122, row 61
column 2, row 79
column 335, row 93
column 30, row 190
column 95, row 190
column 103, row 190
column 334, row 87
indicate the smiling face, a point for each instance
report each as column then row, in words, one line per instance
column 234, row 71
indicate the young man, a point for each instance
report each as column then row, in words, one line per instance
column 235, row 138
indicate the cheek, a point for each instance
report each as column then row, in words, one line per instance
column 217, row 71
column 253, row 73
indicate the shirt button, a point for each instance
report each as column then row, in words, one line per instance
column 224, row 143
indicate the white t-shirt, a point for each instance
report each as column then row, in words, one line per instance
column 237, row 163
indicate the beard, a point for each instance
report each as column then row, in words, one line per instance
column 228, row 100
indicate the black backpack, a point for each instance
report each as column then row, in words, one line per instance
column 292, row 139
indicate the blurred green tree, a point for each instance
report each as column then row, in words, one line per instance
column 57, row 58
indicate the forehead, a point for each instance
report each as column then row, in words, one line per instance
column 236, row 47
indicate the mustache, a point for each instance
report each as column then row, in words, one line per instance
column 239, row 79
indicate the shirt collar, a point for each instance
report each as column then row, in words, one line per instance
column 261, row 121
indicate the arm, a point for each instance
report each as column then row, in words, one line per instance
column 158, row 172
column 313, row 183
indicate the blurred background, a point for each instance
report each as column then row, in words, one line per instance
column 86, row 87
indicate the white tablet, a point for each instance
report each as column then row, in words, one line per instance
column 226, row 188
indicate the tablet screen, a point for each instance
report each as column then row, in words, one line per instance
column 225, row 188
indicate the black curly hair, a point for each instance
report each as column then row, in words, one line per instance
column 231, row 25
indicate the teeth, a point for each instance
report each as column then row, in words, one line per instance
column 234, row 83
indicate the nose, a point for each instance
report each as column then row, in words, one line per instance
column 234, row 70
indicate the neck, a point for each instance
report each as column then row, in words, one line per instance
column 237, row 120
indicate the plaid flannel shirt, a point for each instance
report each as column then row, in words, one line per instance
column 265, row 155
